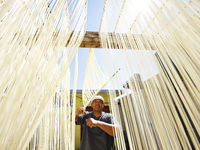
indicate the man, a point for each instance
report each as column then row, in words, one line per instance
column 97, row 127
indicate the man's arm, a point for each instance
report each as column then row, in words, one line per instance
column 108, row 128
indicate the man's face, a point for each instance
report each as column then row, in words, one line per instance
column 97, row 105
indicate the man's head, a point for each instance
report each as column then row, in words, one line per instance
column 97, row 103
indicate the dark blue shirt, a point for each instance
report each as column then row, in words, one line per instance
column 95, row 138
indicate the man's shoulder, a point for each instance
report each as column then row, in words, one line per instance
column 107, row 115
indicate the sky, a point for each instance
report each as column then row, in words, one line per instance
column 94, row 13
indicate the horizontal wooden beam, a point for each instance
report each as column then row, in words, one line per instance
column 92, row 40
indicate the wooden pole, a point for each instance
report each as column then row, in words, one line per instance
column 92, row 40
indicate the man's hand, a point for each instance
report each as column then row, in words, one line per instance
column 108, row 128
column 92, row 122
column 79, row 111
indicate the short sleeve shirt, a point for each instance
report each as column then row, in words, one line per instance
column 95, row 138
